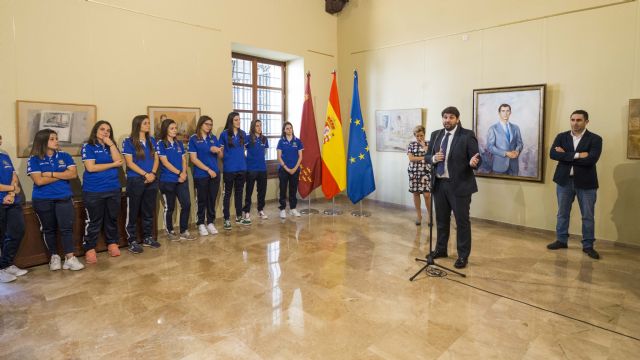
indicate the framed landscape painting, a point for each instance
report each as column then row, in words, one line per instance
column 72, row 122
column 394, row 128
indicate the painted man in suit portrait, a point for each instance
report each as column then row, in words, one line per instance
column 504, row 142
column 577, row 151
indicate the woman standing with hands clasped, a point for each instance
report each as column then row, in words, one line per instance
column 289, row 156
column 101, row 190
column 419, row 172
column 51, row 170
column 204, row 150
column 232, row 140
column 256, row 169
column 142, row 188
column 173, row 179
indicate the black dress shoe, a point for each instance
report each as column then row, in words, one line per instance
column 556, row 245
column 438, row 254
column 592, row 253
column 461, row 263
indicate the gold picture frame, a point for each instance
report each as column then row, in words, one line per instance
column 633, row 133
column 526, row 121
column 185, row 117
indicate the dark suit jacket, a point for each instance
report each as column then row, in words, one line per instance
column 584, row 170
column 463, row 147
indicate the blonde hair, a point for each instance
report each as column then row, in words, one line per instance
column 419, row 129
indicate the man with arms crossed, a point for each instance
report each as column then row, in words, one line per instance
column 577, row 152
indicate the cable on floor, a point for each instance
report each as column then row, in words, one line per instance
column 543, row 309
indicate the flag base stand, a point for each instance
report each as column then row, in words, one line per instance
column 309, row 210
column 360, row 213
column 333, row 211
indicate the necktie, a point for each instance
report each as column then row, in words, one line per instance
column 508, row 134
column 443, row 148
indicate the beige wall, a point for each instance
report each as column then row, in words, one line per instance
column 126, row 55
column 432, row 54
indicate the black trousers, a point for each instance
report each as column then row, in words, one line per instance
column 290, row 181
column 446, row 201
column 253, row 177
column 102, row 210
column 141, row 202
column 233, row 181
column 56, row 215
column 170, row 191
column 13, row 231
column 206, row 194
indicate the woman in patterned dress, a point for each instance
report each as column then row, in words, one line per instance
column 419, row 171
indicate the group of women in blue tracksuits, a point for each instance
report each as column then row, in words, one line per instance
column 152, row 164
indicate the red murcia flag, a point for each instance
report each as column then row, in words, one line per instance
column 311, row 166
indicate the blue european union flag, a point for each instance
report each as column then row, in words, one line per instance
column 360, row 181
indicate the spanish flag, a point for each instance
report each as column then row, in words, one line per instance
column 334, row 161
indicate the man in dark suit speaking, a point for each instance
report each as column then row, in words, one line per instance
column 454, row 155
column 577, row 152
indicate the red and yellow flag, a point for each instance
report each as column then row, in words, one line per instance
column 334, row 160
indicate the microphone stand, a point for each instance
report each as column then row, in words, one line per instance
column 430, row 261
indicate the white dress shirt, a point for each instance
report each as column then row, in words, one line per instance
column 446, row 156
column 576, row 141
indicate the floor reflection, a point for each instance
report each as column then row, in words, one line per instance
column 330, row 287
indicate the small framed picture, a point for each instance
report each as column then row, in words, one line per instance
column 185, row 117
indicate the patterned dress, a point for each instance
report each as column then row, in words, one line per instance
column 419, row 171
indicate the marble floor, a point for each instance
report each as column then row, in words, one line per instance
column 325, row 287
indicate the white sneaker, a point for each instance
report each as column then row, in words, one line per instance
column 6, row 277
column 246, row 215
column 72, row 264
column 262, row 215
column 15, row 271
column 54, row 263
column 202, row 230
column 283, row 214
column 295, row 213
column 212, row 229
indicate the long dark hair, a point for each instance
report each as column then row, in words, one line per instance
column 164, row 131
column 201, row 122
column 93, row 138
column 284, row 125
column 41, row 142
column 253, row 135
column 228, row 126
column 136, row 125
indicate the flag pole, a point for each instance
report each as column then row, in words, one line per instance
column 333, row 211
column 360, row 213
column 309, row 210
